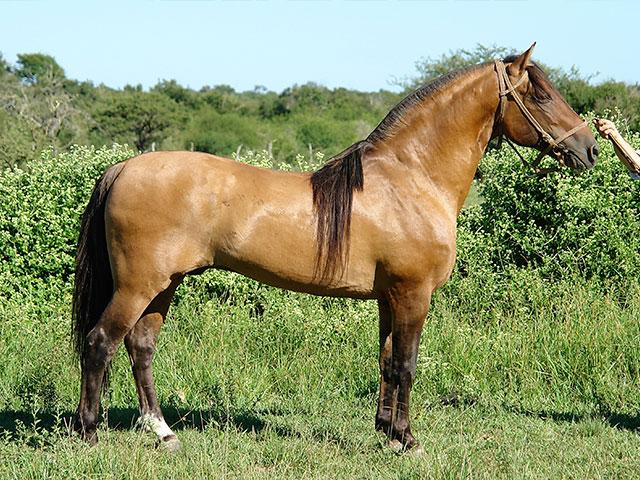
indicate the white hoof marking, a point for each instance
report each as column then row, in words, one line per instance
column 151, row 423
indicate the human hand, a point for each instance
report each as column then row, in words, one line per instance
column 605, row 127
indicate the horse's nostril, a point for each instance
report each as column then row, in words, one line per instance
column 593, row 152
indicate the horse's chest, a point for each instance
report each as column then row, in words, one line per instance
column 423, row 248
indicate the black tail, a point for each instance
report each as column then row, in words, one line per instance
column 93, row 281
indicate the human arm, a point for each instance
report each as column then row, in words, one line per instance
column 624, row 151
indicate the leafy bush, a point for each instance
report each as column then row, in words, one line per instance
column 325, row 134
column 565, row 222
column 512, row 340
column 40, row 215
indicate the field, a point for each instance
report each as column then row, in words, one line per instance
column 526, row 369
column 544, row 385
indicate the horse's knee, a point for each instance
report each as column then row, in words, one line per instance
column 141, row 348
column 99, row 347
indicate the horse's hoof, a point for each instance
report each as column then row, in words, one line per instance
column 171, row 445
column 416, row 451
column 91, row 438
column 395, row 446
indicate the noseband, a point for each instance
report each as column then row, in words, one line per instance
column 505, row 88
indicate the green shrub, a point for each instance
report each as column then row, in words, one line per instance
column 500, row 334
column 326, row 134
column 40, row 215
column 569, row 222
column 565, row 223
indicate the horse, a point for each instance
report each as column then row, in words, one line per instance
column 377, row 222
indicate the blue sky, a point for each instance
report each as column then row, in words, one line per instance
column 276, row 43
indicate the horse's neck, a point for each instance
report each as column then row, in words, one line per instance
column 441, row 139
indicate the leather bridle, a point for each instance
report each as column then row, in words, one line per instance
column 506, row 88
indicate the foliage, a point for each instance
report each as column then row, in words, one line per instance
column 323, row 134
column 134, row 117
column 562, row 224
column 35, row 68
column 528, row 361
column 578, row 89
column 275, row 379
column 565, row 223
column 430, row 68
column 34, row 115
column 178, row 93
column 17, row 141
column 40, row 107
column 4, row 66
column 212, row 132
column 40, row 216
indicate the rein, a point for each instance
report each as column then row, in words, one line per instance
column 505, row 88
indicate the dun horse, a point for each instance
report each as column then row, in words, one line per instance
column 378, row 221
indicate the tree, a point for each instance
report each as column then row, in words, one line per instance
column 37, row 67
column 222, row 134
column 37, row 110
column 577, row 88
column 134, row 116
column 4, row 66
column 325, row 134
column 179, row 94
column 430, row 68
column 18, row 142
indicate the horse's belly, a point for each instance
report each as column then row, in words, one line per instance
column 273, row 240
column 287, row 272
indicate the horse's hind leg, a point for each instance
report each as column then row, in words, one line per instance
column 141, row 345
column 118, row 318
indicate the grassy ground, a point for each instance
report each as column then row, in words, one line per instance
column 522, row 379
column 460, row 442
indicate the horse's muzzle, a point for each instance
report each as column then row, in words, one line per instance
column 581, row 159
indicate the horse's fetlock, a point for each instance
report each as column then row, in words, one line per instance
column 401, row 426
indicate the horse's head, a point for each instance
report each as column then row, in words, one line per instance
column 532, row 113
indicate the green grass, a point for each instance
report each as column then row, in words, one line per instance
column 459, row 442
column 517, row 378
column 474, row 197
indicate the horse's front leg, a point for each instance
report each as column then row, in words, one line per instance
column 409, row 306
column 387, row 392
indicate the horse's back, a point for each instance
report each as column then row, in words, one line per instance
column 185, row 210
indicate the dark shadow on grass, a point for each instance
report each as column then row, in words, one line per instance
column 125, row 419
column 619, row 421
column 255, row 420
column 12, row 421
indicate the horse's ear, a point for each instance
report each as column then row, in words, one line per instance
column 520, row 64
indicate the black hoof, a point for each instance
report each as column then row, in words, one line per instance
column 88, row 435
